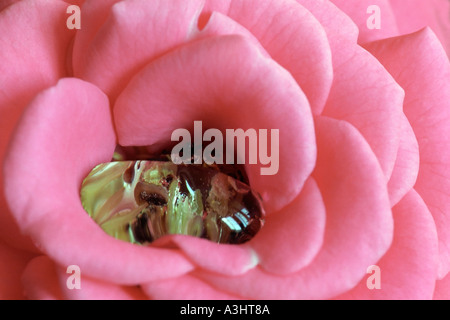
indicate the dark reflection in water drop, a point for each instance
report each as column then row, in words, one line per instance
column 141, row 201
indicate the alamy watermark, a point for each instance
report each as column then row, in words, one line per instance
column 213, row 153
column 74, row 280
column 373, row 21
column 74, row 20
column 374, row 280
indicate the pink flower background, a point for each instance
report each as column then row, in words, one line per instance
column 364, row 119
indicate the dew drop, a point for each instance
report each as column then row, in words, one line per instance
column 142, row 201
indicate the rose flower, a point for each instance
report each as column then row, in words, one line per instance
column 363, row 115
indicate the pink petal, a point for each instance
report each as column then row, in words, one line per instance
column 85, row 132
column 358, row 11
column 358, row 227
column 220, row 24
column 93, row 289
column 5, row 3
column 442, row 289
column 9, row 229
column 363, row 93
column 128, row 37
column 41, row 60
column 40, row 280
column 340, row 29
column 408, row 270
column 43, row 280
column 75, row 2
column 186, row 287
column 12, row 264
column 30, row 60
column 198, row 82
column 427, row 106
column 406, row 167
column 291, row 238
column 220, row 258
column 288, row 241
column 64, row 133
column 359, row 224
column 292, row 36
column 414, row 15
column 95, row 14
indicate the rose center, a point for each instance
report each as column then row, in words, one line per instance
column 140, row 201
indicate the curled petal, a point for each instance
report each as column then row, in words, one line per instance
column 414, row 15
column 128, row 37
column 359, row 224
column 340, row 29
column 30, row 60
column 93, row 289
column 365, row 95
column 291, row 238
column 427, row 106
column 186, row 287
column 442, row 289
column 220, row 258
column 362, row 11
column 41, row 281
column 198, row 82
column 406, row 169
column 43, row 175
column 220, row 24
column 95, row 14
column 5, row 3
column 292, row 36
column 408, row 270
column 12, row 264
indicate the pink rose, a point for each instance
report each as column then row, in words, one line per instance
column 364, row 168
